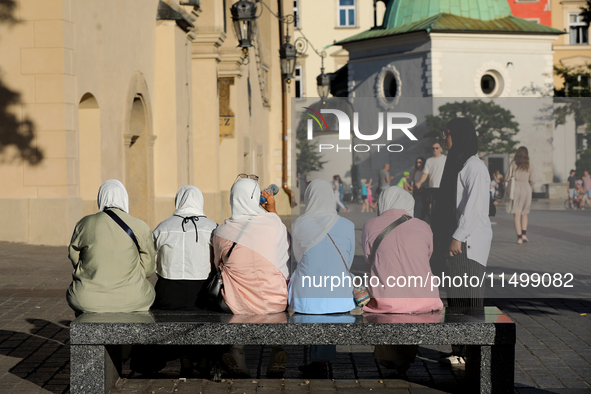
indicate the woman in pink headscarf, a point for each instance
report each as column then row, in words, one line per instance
column 403, row 254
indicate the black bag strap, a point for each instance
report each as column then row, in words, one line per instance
column 124, row 226
column 379, row 238
column 228, row 256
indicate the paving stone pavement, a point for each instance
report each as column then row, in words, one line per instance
column 553, row 351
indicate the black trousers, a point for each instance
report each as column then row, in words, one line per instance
column 464, row 296
column 179, row 295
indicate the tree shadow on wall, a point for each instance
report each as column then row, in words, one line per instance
column 14, row 132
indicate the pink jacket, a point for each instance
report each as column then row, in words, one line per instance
column 252, row 284
column 402, row 266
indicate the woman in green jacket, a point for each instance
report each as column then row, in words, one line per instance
column 110, row 269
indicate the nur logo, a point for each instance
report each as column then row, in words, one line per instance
column 315, row 115
column 391, row 120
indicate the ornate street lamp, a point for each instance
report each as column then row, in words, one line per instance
column 244, row 17
column 287, row 55
column 323, row 80
column 323, row 84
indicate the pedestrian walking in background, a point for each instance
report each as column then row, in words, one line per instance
column 462, row 232
column 365, row 205
column 370, row 201
column 586, row 189
column 519, row 182
column 417, row 192
column 433, row 171
column 571, row 186
column 385, row 178
column 336, row 185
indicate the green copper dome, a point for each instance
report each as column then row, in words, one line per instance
column 402, row 12
column 450, row 16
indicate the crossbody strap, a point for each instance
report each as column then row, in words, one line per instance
column 342, row 258
column 380, row 237
column 228, row 256
column 124, row 226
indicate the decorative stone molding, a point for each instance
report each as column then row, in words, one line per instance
column 230, row 64
column 499, row 71
column 383, row 100
column 169, row 10
column 206, row 44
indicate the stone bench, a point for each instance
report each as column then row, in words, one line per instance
column 96, row 339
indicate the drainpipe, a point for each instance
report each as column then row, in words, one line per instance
column 287, row 190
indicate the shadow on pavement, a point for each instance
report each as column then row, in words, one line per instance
column 44, row 354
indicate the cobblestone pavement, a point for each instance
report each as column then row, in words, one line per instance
column 553, row 349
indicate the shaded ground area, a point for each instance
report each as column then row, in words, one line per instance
column 553, row 349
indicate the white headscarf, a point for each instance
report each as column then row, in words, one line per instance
column 395, row 197
column 321, row 214
column 189, row 202
column 253, row 227
column 112, row 194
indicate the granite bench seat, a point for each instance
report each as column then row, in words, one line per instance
column 96, row 339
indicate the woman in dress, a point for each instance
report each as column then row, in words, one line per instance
column 110, row 268
column 252, row 250
column 403, row 252
column 323, row 245
column 520, row 179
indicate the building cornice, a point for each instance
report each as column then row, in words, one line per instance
column 230, row 64
column 205, row 44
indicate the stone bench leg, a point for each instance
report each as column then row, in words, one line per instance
column 94, row 369
column 491, row 368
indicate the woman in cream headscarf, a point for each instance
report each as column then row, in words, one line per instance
column 110, row 271
column 403, row 253
column 252, row 250
column 317, row 257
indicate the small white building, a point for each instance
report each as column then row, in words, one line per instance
column 446, row 51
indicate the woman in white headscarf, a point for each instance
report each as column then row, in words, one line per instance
column 324, row 246
column 110, row 269
column 256, row 272
column 252, row 250
column 184, row 252
column 317, row 256
column 184, row 257
column 402, row 254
